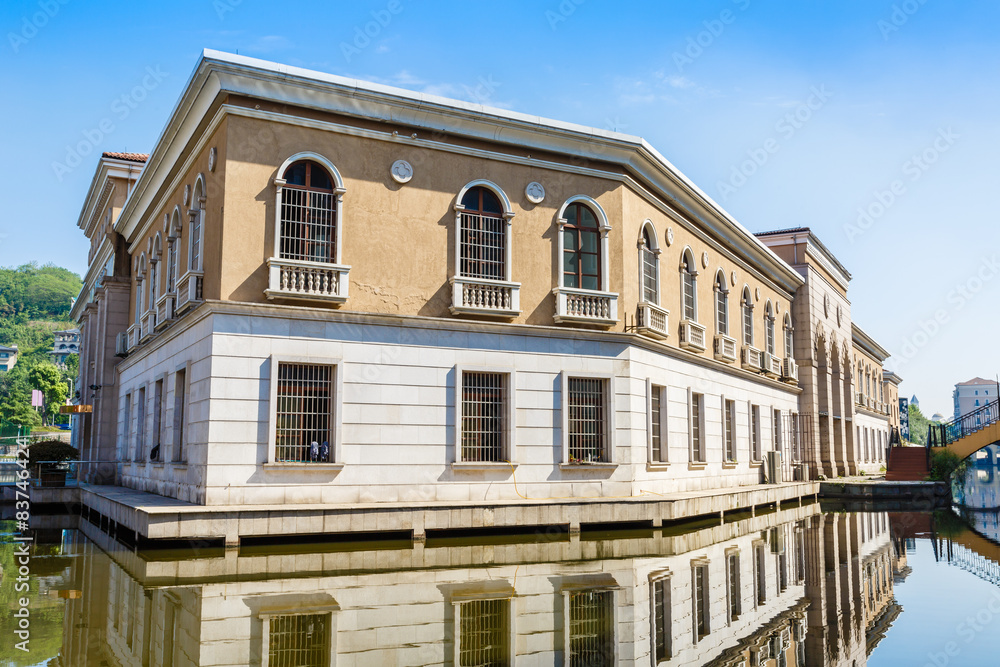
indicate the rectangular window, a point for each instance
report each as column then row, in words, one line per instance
column 587, row 419
column 484, row 632
column 721, row 312
column 760, row 574
column 180, row 404
column 484, row 417
column 126, row 419
column 733, row 576
column 699, row 601
column 776, row 430
column 169, row 632
column 303, row 413
column 299, row 639
column 662, row 648
column 755, row 453
column 649, row 279
column 154, row 454
column 696, row 422
column 657, row 422
column 688, row 295
column 140, row 424
column 796, row 441
column 591, row 628
column 729, row 429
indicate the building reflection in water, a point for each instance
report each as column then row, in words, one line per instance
column 792, row 587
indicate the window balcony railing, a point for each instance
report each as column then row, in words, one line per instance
column 692, row 336
column 789, row 369
column 164, row 310
column 586, row 306
column 477, row 296
column 652, row 320
column 301, row 279
column 188, row 292
column 860, row 398
column 772, row 365
column 148, row 324
column 725, row 348
column 751, row 359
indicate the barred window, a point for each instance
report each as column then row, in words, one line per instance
column 729, row 430
column 484, row 416
column 303, row 413
column 588, row 419
column 484, row 633
column 755, row 453
column 657, row 438
column 591, row 628
column 721, row 305
column 662, row 644
column 483, row 236
column 776, row 430
column 699, row 601
column 308, row 214
column 299, row 640
column 650, row 270
column 581, row 249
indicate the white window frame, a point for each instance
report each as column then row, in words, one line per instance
column 726, row 403
column 664, row 578
column 609, row 427
column 603, row 227
column 196, row 222
column 663, row 456
column 754, row 431
column 693, row 272
column 746, row 309
column 599, row 583
column 696, row 564
column 770, row 345
column 654, row 250
column 510, row 417
column 721, row 296
column 730, row 618
column 336, row 424
column 703, row 445
column 498, row 589
column 338, row 193
column 507, row 215
column 178, row 432
column 265, row 615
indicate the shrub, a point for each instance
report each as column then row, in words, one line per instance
column 944, row 464
column 51, row 450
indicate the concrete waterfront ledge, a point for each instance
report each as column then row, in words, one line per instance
column 148, row 518
column 875, row 489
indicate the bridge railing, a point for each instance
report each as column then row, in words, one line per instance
column 942, row 435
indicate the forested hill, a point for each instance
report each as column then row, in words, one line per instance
column 32, row 292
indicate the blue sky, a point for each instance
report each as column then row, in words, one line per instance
column 788, row 114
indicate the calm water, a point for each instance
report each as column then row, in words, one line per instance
column 804, row 585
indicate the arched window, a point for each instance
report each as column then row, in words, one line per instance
column 747, row 305
column 308, row 214
column 649, row 257
column 769, row 329
column 582, row 257
column 689, row 291
column 154, row 262
column 173, row 245
column 788, row 336
column 721, row 305
column 197, row 227
column 482, row 236
column 140, row 273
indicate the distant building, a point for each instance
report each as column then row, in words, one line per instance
column 890, row 389
column 937, row 417
column 8, row 357
column 972, row 394
column 914, row 401
column 67, row 343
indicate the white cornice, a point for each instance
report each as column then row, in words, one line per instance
column 97, row 194
column 219, row 73
column 867, row 343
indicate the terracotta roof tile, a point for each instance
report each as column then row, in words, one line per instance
column 131, row 157
column 783, row 231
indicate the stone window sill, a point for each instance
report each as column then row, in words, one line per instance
column 730, row 464
column 481, row 466
column 588, row 466
column 657, row 465
column 302, row 467
column 697, row 465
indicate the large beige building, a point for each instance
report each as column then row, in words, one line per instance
column 324, row 290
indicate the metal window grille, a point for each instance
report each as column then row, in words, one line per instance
column 755, row 431
column 195, row 242
column 776, row 429
column 700, row 600
column 650, row 289
column 591, row 628
column 697, row 451
column 308, row 225
column 730, row 430
column 484, row 633
column 688, row 280
column 484, row 418
column 721, row 312
column 734, row 586
column 484, row 246
column 587, row 419
column 656, row 423
column 301, row 640
column 662, row 648
column 303, row 413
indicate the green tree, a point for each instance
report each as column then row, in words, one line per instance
column 47, row 378
column 918, row 425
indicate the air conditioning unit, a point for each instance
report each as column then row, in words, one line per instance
column 790, row 369
column 773, row 467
